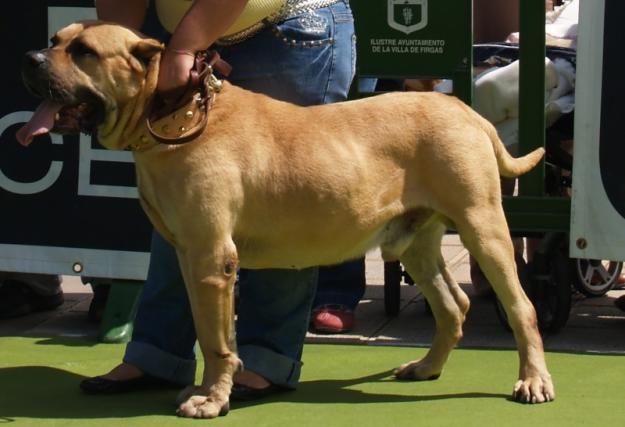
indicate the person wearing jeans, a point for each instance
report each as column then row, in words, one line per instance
column 306, row 56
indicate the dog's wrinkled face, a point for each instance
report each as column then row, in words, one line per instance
column 91, row 70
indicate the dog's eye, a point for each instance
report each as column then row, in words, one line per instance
column 54, row 40
column 81, row 50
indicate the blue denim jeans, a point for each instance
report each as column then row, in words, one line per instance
column 274, row 305
column 341, row 284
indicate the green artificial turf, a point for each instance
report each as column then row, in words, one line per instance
column 341, row 386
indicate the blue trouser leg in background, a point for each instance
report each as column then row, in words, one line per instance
column 163, row 337
column 341, row 284
column 274, row 308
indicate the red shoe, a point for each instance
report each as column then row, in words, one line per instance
column 332, row 319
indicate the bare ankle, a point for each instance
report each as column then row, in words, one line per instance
column 124, row 371
column 251, row 379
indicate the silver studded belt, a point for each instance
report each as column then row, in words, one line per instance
column 291, row 9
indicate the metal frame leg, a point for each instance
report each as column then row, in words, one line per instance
column 121, row 308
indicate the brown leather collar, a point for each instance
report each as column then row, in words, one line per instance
column 179, row 118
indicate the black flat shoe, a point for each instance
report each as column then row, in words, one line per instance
column 99, row 385
column 19, row 299
column 243, row 393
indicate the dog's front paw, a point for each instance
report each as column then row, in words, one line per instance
column 195, row 402
column 420, row 370
column 534, row 389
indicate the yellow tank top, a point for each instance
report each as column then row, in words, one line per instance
column 170, row 12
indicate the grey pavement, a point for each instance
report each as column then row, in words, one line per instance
column 595, row 325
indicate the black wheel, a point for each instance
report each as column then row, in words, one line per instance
column 392, row 283
column 547, row 283
column 552, row 281
column 526, row 283
column 594, row 277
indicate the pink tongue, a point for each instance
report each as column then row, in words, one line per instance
column 41, row 122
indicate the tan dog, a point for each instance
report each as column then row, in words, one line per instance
column 270, row 184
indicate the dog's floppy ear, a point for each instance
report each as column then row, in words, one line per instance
column 145, row 49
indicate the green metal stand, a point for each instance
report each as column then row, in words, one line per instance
column 532, row 91
column 416, row 39
column 532, row 210
column 121, row 308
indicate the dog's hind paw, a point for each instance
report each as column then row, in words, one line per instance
column 417, row 371
column 534, row 390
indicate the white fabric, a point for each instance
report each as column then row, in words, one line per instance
column 560, row 25
column 496, row 97
column 562, row 22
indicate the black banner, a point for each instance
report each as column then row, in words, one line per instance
column 60, row 191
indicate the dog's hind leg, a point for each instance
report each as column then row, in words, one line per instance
column 449, row 303
column 485, row 234
column 210, row 284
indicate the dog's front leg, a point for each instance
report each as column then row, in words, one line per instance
column 210, row 284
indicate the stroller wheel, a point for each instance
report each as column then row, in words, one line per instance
column 594, row 277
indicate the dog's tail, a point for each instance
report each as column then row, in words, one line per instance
column 511, row 167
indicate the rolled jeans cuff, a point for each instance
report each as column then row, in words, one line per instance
column 156, row 362
column 274, row 367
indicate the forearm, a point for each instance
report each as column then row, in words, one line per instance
column 130, row 13
column 205, row 22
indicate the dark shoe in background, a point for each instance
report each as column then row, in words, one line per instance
column 21, row 297
column 332, row 319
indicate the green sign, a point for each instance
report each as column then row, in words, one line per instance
column 415, row 38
